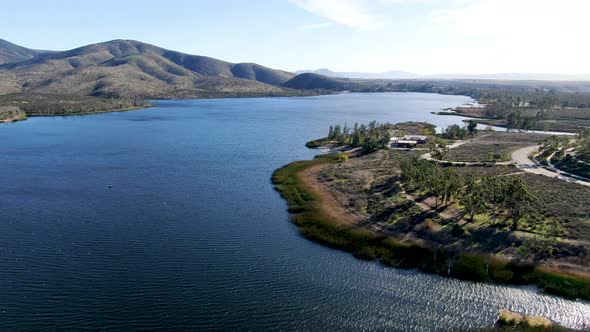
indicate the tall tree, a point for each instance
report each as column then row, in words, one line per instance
column 472, row 127
column 493, row 194
column 517, row 198
column 472, row 197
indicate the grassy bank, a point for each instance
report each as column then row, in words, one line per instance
column 318, row 226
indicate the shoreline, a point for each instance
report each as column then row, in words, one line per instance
column 27, row 116
column 13, row 120
column 126, row 109
column 152, row 104
column 213, row 97
column 314, row 215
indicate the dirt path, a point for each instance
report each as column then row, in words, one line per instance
column 332, row 203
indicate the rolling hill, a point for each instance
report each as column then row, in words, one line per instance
column 10, row 52
column 130, row 69
column 312, row 81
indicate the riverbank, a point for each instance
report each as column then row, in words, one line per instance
column 317, row 216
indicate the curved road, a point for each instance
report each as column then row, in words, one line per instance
column 523, row 162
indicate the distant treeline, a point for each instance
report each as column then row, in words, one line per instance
column 46, row 104
column 534, row 97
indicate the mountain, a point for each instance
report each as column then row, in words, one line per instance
column 10, row 52
column 128, row 68
column 393, row 74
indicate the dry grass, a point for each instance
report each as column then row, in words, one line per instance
column 493, row 146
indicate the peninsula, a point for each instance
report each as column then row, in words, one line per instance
column 454, row 204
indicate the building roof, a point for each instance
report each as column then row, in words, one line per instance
column 416, row 137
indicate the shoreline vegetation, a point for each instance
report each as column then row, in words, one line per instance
column 313, row 212
column 9, row 114
column 33, row 105
column 18, row 107
column 519, row 105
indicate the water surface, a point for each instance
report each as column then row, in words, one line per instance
column 192, row 234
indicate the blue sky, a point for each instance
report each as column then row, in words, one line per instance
column 421, row 36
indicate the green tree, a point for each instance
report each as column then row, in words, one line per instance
column 472, row 127
column 472, row 197
column 439, row 150
column 517, row 198
column 452, row 184
column 492, row 192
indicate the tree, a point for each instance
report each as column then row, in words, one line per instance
column 472, row 127
column 517, row 198
column 492, row 192
column 455, row 132
column 439, row 150
column 452, row 184
column 472, row 197
column 336, row 133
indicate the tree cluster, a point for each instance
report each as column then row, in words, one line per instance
column 371, row 138
column 491, row 194
column 511, row 108
column 516, row 120
column 54, row 104
column 454, row 132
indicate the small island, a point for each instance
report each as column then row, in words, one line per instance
column 468, row 204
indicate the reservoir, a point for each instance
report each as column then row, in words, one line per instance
column 166, row 218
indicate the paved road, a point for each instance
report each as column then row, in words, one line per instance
column 522, row 160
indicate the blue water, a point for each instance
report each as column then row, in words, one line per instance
column 192, row 234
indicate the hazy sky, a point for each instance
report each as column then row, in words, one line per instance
column 421, row 36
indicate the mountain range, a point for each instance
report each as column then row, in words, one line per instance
column 128, row 68
column 393, row 74
column 131, row 69
column 398, row 74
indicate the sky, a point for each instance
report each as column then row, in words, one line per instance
column 419, row 36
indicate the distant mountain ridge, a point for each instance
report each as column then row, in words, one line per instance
column 128, row 68
column 393, row 74
column 398, row 74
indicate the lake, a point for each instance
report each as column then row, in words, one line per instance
column 192, row 233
